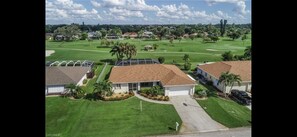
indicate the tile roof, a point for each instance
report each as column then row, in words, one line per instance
column 241, row 68
column 167, row 74
column 64, row 75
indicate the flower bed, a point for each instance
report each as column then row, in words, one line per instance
column 118, row 96
column 157, row 97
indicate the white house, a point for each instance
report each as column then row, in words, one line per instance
column 213, row 71
column 134, row 77
column 57, row 77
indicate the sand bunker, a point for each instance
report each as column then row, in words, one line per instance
column 49, row 52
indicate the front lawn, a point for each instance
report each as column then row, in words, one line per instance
column 227, row 112
column 76, row 118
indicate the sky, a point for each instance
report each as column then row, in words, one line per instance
column 147, row 11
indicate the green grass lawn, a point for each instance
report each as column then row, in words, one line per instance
column 227, row 112
column 89, row 87
column 105, row 74
column 84, row 118
column 197, row 50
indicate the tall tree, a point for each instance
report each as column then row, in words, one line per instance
column 244, row 37
column 223, row 27
column 228, row 79
column 68, row 31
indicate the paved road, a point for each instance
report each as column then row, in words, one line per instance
column 235, row 132
column 194, row 118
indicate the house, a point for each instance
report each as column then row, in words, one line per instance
column 130, row 35
column 112, row 36
column 59, row 76
column 92, row 35
column 147, row 34
column 134, row 77
column 213, row 71
column 60, row 37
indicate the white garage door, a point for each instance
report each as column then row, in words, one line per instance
column 55, row 89
column 175, row 91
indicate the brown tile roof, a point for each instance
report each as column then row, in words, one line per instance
column 167, row 74
column 64, row 75
column 241, row 68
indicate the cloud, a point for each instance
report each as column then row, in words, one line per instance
column 171, row 11
column 124, row 12
column 240, row 6
column 130, row 5
column 95, row 4
column 69, row 11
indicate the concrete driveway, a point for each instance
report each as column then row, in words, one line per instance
column 194, row 118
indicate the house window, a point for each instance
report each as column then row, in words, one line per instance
column 118, row 86
column 146, row 84
column 205, row 74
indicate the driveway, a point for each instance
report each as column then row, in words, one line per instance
column 194, row 118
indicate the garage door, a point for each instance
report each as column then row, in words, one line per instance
column 176, row 91
column 55, row 89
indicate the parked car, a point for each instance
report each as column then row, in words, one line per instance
column 241, row 97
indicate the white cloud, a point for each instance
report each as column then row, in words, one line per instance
column 240, row 6
column 223, row 15
column 130, row 5
column 171, row 11
column 69, row 11
column 124, row 13
column 95, row 4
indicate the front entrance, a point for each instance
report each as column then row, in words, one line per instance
column 133, row 86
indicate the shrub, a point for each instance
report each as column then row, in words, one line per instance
column 79, row 95
column 122, row 95
column 202, row 94
column 161, row 60
column 166, row 98
column 187, row 66
column 85, row 81
column 98, row 63
column 160, row 98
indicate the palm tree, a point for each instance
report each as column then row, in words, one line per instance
column 102, row 88
column 229, row 79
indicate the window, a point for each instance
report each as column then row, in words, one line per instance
column 146, row 84
column 118, row 86
column 205, row 74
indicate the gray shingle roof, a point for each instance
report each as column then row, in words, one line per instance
column 64, row 75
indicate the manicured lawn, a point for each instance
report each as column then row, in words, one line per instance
column 89, row 87
column 227, row 112
column 198, row 51
column 84, row 118
column 105, row 73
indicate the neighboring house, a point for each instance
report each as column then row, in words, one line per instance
column 130, row 34
column 60, row 37
column 147, row 34
column 57, row 77
column 133, row 78
column 92, row 35
column 112, row 36
column 49, row 36
column 213, row 71
column 186, row 35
